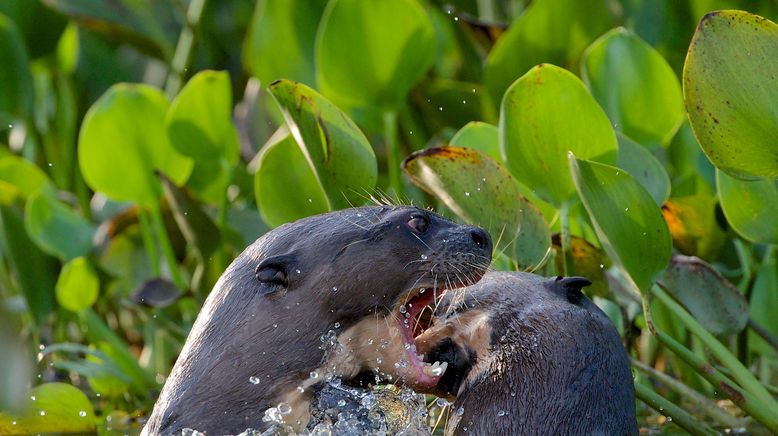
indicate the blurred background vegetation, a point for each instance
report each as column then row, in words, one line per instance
column 145, row 143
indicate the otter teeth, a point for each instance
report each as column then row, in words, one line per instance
column 435, row 369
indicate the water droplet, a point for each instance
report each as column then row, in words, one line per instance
column 626, row 209
column 32, row 397
column 335, row 382
column 424, row 257
column 341, row 403
column 602, row 266
column 467, row 194
column 13, row 422
column 402, row 309
column 334, row 289
column 501, row 413
column 310, row 200
column 456, row 18
column 275, row 325
column 464, row 101
column 337, row 325
column 460, row 411
column 300, row 389
column 370, row 341
column 43, row 413
column 254, row 380
column 284, row 408
column 82, row 413
column 440, row 108
column 313, row 374
column 297, row 271
column 423, row 290
column 441, row 402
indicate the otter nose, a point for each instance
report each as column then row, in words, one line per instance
column 481, row 239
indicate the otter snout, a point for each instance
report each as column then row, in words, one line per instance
column 482, row 240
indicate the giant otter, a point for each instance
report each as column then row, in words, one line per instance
column 257, row 341
column 529, row 355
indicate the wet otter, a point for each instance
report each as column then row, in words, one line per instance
column 257, row 338
column 530, row 355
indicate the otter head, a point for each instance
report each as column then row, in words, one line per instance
column 260, row 334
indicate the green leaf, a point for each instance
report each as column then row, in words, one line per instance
column 373, row 52
column 150, row 25
column 196, row 226
column 697, row 227
column 56, row 228
column 17, row 93
column 546, row 113
column 763, row 307
column 479, row 136
column 636, row 86
column 282, row 165
column 549, row 31
column 729, row 86
column 342, row 159
column 482, row 192
column 19, row 179
column 709, row 297
column 751, row 207
column 625, row 218
column 78, row 285
column 123, row 141
column 644, row 167
column 280, row 42
column 39, row 26
column 52, row 408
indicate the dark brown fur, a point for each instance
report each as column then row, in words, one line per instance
column 340, row 267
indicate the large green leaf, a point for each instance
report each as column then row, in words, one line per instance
column 342, row 159
column 19, row 179
column 373, row 52
column 56, row 228
column 644, row 167
column 123, row 142
column 17, row 94
column 626, row 219
column 52, row 408
column 709, row 297
column 751, row 207
column 545, row 114
column 731, row 89
column 78, row 285
column 549, row 31
column 480, row 136
column 292, row 21
column 150, row 25
column 635, row 85
column 482, row 192
column 282, row 165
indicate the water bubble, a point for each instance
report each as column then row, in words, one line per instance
column 467, row 194
column 440, row 108
column 337, row 325
column 254, row 380
column 300, row 389
column 422, row 290
column 334, row 289
column 335, row 381
column 402, row 309
column 297, row 271
column 284, row 408
column 275, row 325
column 602, row 266
column 626, row 209
column 32, row 397
column 370, row 341
column 310, row 200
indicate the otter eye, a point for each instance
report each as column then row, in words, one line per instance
column 418, row 224
column 272, row 275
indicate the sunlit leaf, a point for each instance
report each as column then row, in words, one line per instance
column 371, row 53
column 709, row 297
column 342, row 159
column 123, row 142
column 479, row 136
column 78, row 285
column 52, row 408
column 19, row 179
column 626, row 219
column 731, row 94
column 280, row 42
column 56, row 228
column 532, row 140
column 482, row 192
column 635, row 86
column 751, row 207
column 17, row 94
column 697, row 228
column 644, row 167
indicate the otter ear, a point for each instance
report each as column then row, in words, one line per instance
column 272, row 274
column 571, row 287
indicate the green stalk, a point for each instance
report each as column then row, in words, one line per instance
column 564, row 222
column 184, row 47
column 709, row 407
column 148, row 241
column 393, row 153
column 668, row 408
column 763, row 333
column 760, row 410
column 167, row 248
column 739, row 372
column 221, row 223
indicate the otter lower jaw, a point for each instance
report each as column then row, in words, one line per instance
column 408, row 317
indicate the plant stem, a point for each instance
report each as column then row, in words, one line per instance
column 184, row 47
column 148, row 241
column 167, row 248
column 393, row 153
column 221, row 223
column 757, row 408
column 709, row 407
column 739, row 372
column 668, row 408
column 564, row 222
column 744, row 257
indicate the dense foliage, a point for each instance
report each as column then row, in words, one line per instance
column 606, row 138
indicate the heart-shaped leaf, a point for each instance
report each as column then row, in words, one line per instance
column 635, row 85
column 479, row 136
column 123, row 142
column 342, row 159
column 625, row 218
column 292, row 21
column 751, row 207
column 574, row 24
column 482, row 192
column 531, row 139
column 78, row 285
column 372, row 53
column 282, row 165
column 731, row 92
column 644, row 167
column 17, row 94
column 709, row 297
column 56, row 228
